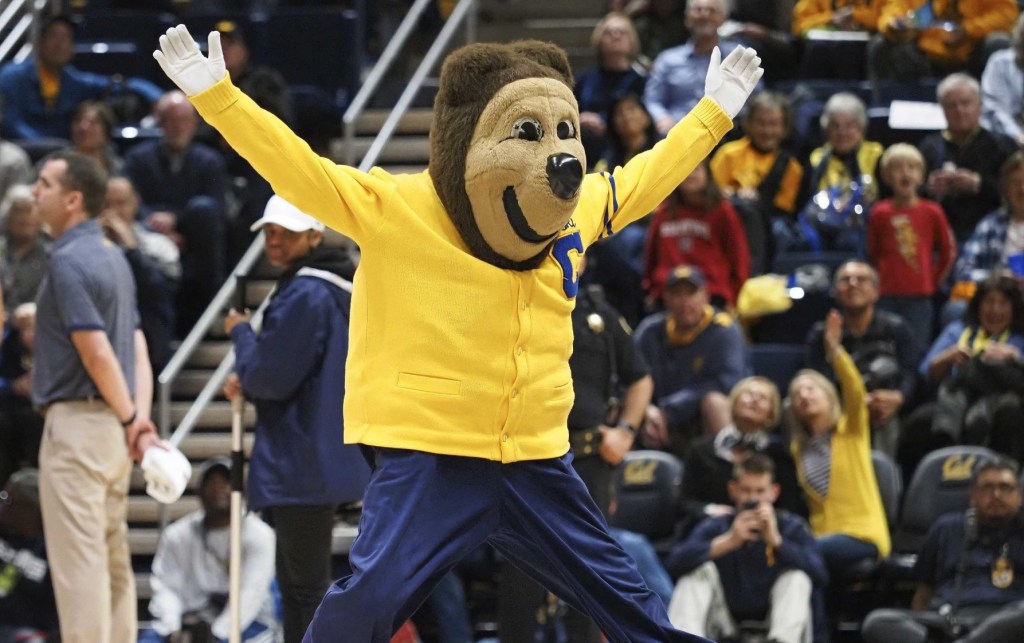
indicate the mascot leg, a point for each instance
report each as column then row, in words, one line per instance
column 553, row 531
column 422, row 513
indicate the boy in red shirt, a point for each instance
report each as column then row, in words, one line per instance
column 909, row 241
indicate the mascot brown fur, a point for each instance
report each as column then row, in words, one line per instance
column 470, row 79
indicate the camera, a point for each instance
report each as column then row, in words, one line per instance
column 750, row 504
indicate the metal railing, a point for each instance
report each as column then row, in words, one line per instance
column 18, row 23
column 167, row 377
column 465, row 12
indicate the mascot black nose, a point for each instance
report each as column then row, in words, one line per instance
column 565, row 173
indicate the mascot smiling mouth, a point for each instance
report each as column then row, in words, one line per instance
column 518, row 221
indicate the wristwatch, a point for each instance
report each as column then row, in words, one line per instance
column 629, row 427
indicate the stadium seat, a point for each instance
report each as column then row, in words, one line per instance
column 941, row 484
column 890, row 485
column 777, row 362
column 646, row 490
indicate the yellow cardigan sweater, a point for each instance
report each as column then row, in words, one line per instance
column 853, row 506
column 449, row 354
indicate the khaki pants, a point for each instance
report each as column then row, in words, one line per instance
column 84, row 471
column 698, row 606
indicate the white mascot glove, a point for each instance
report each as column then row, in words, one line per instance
column 167, row 472
column 181, row 60
column 729, row 82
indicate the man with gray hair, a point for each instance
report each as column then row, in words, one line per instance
column 881, row 344
column 676, row 82
column 963, row 160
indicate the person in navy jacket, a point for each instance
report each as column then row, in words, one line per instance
column 293, row 370
column 755, row 563
column 41, row 93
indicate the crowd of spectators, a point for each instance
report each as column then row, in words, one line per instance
column 923, row 238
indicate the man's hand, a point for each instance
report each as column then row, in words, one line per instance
column 842, row 18
column 615, row 444
column 730, row 81
column 140, row 435
column 769, row 524
column 883, row 404
column 746, row 526
column 232, row 386
column 22, row 386
column 655, row 428
column 163, row 222
column 118, row 231
column 181, row 60
column 592, row 122
column 235, row 318
column 1000, row 352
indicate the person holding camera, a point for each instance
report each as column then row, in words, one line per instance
column 970, row 570
column 756, row 563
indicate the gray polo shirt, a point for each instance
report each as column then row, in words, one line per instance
column 88, row 286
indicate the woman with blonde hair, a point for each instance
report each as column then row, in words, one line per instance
column 831, row 447
column 756, row 409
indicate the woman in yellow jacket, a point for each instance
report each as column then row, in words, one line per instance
column 935, row 37
column 832, row 451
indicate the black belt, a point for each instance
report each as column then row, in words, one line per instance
column 68, row 400
column 585, row 443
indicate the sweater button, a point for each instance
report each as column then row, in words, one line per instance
column 515, row 393
column 504, row 437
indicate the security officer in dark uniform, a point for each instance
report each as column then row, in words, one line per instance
column 613, row 389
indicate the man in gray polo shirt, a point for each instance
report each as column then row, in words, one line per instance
column 93, row 380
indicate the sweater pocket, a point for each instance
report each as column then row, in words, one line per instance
column 429, row 384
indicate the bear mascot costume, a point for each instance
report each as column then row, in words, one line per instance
column 458, row 367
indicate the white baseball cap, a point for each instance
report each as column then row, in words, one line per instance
column 286, row 215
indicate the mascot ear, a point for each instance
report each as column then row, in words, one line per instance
column 473, row 74
column 546, row 55
column 465, row 69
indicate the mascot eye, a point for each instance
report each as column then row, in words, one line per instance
column 527, row 129
column 566, row 130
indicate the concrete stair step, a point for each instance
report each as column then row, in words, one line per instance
column 512, row 10
column 200, row 446
column 567, row 33
column 142, row 541
column 143, row 509
column 414, row 121
column 210, row 353
column 399, row 150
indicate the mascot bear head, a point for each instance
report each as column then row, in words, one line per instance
column 505, row 151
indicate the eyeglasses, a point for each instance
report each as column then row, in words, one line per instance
column 854, row 279
column 991, row 488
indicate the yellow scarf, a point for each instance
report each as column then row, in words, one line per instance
column 682, row 338
column 49, row 87
column 975, row 340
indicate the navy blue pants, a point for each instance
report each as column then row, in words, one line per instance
column 423, row 512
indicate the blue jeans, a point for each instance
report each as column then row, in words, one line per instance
column 647, row 561
column 841, row 552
